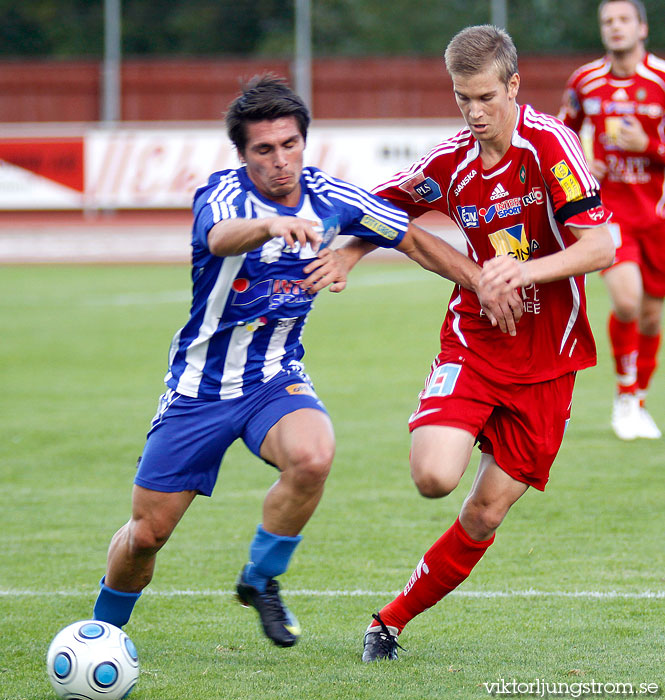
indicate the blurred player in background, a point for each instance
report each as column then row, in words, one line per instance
column 516, row 183
column 622, row 97
column 235, row 368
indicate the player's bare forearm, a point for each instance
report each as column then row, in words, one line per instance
column 502, row 306
column 331, row 267
column 354, row 250
column 593, row 250
column 237, row 236
column 440, row 257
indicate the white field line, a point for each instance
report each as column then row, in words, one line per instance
column 358, row 593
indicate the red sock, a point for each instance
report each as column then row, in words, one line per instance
column 646, row 359
column 445, row 565
column 624, row 341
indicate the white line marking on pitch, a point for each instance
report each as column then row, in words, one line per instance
column 530, row 593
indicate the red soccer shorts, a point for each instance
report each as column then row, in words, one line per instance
column 521, row 425
column 646, row 247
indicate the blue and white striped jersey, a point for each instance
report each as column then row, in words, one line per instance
column 248, row 311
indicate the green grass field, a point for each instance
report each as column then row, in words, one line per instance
column 572, row 592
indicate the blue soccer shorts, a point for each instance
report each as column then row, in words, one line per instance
column 189, row 437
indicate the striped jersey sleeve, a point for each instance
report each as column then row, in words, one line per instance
column 221, row 198
column 361, row 213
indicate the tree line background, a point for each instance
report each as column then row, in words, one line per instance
column 74, row 28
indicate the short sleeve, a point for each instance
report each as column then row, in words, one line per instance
column 564, row 167
column 380, row 223
column 362, row 214
column 217, row 201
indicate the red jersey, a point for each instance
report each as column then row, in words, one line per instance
column 633, row 187
column 518, row 207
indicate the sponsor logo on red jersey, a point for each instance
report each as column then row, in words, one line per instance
column 536, row 196
column 467, row 179
column 422, row 188
column 567, row 180
column 597, row 213
column 509, row 207
column 511, row 241
column 498, row 192
column 469, row 216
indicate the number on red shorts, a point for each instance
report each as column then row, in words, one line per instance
column 442, row 381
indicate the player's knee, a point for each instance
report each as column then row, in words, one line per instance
column 482, row 518
column 627, row 307
column 148, row 536
column 309, row 465
column 431, row 483
column 650, row 323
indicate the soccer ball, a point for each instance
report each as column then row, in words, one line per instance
column 92, row 660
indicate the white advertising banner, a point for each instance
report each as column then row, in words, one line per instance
column 160, row 168
column 154, row 169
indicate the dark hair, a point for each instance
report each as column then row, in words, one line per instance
column 637, row 4
column 474, row 49
column 264, row 97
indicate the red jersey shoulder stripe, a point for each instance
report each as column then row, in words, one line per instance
column 655, row 63
column 568, row 141
column 653, row 71
column 590, row 71
column 454, row 143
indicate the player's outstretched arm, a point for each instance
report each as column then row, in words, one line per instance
column 501, row 304
column 436, row 255
column 237, row 236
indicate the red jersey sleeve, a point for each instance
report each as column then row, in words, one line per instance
column 422, row 187
column 402, row 199
column 573, row 189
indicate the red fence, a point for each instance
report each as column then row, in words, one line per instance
column 200, row 89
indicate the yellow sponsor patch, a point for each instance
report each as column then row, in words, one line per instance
column 379, row 227
column 300, row 389
column 511, row 241
column 568, row 181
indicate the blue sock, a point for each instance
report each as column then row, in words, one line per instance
column 269, row 556
column 112, row 606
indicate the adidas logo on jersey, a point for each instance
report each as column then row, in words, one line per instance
column 620, row 95
column 498, row 192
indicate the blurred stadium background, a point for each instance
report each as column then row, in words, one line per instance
column 110, row 111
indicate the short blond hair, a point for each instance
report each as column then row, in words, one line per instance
column 475, row 49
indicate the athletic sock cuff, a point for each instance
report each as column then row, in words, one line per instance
column 114, row 607
column 120, row 594
column 468, row 540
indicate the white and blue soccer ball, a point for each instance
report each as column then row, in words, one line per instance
column 92, row 660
